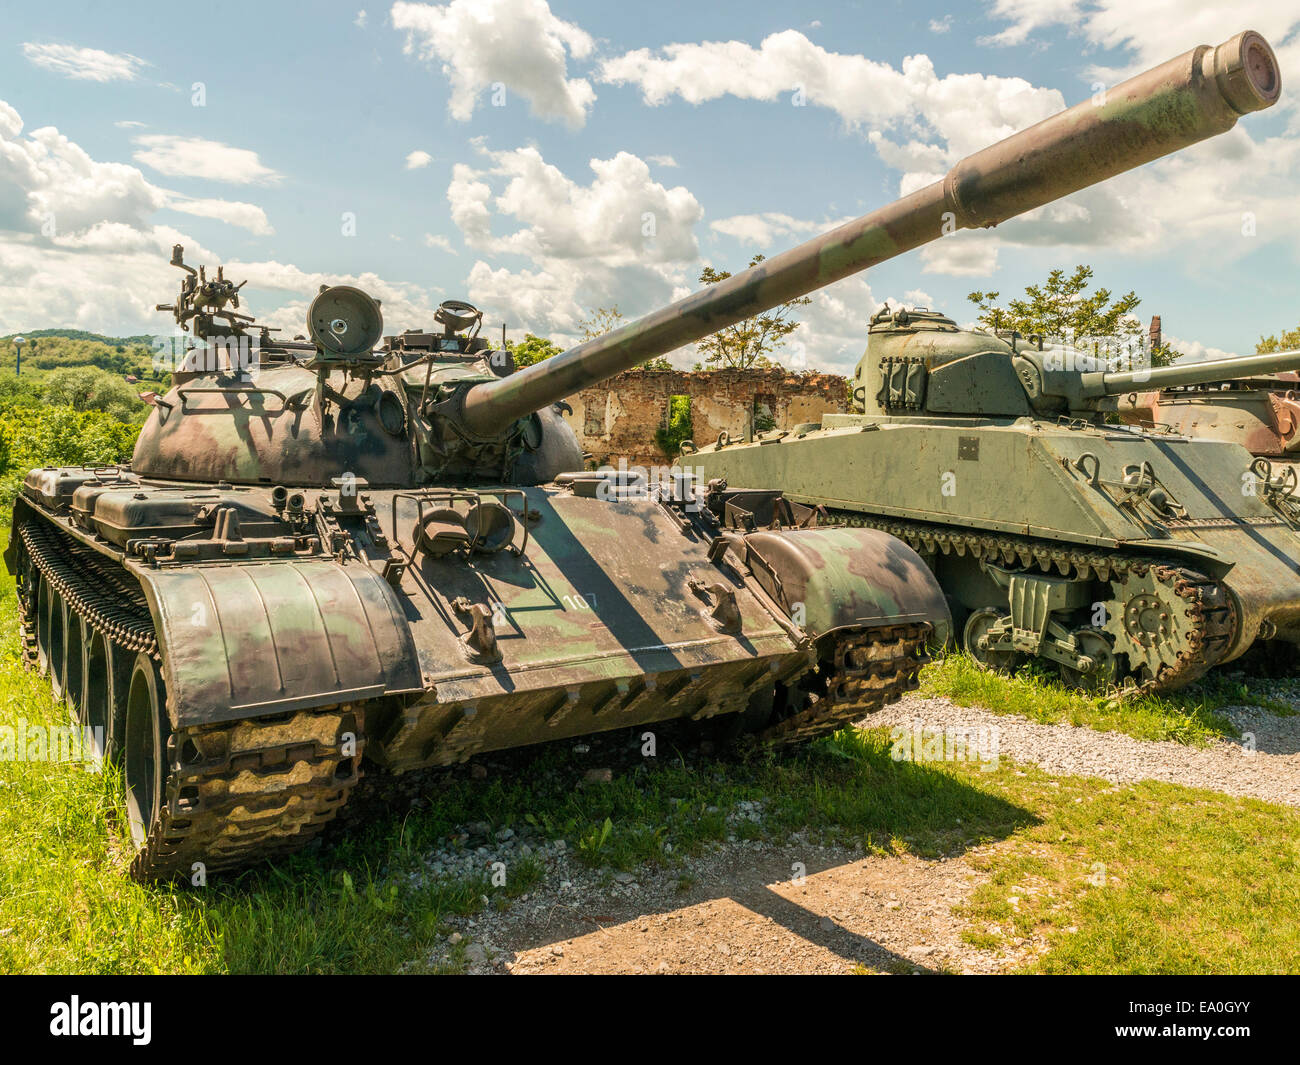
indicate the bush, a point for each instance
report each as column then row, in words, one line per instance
column 32, row 436
column 86, row 388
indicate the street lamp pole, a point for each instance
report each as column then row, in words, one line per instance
column 18, row 343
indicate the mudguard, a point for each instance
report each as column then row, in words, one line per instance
column 845, row 577
column 243, row 640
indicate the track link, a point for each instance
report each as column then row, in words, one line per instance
column 869, row 669
column 249, row 790
column 105, row 595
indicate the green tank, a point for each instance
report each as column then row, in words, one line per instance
column 1116, row 553
column 309, row 567
column 347, row 551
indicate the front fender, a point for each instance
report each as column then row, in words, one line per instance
column 251, row 639
column 845, row 577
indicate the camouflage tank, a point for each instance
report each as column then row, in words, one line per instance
column 1261, row 412
column 310, row 561
column 387, row 553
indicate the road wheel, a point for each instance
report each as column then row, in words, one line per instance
column 977, row 626
column 144, row 748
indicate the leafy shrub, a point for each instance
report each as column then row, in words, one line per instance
column 32, row 436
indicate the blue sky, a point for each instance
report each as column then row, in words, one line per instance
column 687, row 110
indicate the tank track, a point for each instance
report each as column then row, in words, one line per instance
column 243, row 791
column 235, row 793
column 105, row 595
column 872, row 667
column 1209, row 609
column 249, row 790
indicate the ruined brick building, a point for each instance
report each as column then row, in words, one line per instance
column 619, row 419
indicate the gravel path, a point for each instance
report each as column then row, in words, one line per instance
column 1264, row 763
column 735, row 909
column 738, row 909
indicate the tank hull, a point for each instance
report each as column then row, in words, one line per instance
column 280, row 654
column 1261, row 416
column 983, row 500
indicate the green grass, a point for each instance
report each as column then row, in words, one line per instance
column 1153, row 878
column 1194, row 881
column 1189, row 716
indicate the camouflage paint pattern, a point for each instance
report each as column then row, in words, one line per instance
column 598, row 619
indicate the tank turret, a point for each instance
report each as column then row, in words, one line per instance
column 919, row 362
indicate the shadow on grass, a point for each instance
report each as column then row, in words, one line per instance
column 365, row 900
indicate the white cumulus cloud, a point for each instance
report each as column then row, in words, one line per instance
column 765, row 228
column 964, row 111
column 418, row 159
column 624, row 239
column 78, row 242
column 245, row 215
column 519, row 45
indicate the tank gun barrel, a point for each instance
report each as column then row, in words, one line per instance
column 1192, row 373
column 1198, row 95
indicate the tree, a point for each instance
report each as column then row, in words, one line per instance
column 601, row 321
column 89, row 388
column 531, row 349
column 748, row 343
column 605, row 320
column 1063, row 310
column 676, row 427
column 1288, row 340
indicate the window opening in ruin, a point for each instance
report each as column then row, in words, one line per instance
column 675, row 426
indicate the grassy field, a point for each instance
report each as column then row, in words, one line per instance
column 1152, row 878
column 1189, row 716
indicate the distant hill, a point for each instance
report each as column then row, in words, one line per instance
column 48, row 350
column 80, row 334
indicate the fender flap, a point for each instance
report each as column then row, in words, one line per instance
column 249, row 640
column 846, row 577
